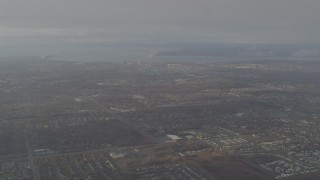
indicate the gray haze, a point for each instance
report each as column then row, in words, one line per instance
column 163, row 21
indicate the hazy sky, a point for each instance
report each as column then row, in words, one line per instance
column 247, row 21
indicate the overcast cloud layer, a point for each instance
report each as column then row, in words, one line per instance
column 229, row 21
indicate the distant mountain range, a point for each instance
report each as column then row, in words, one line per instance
column 281, row 51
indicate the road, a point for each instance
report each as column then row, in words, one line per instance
column 34, row 168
